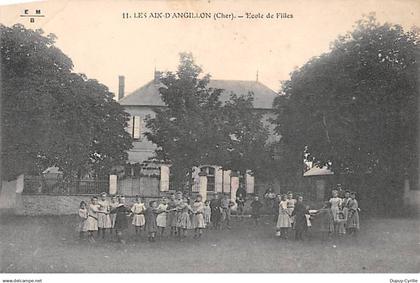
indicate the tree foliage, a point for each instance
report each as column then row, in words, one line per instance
column 356, row 106
column 52, row 116
column 196, row 128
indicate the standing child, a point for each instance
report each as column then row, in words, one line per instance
column 207, row 213
column 179, row 203
column 342, row 220
column 184, row 221
column 83, row 214
column 353, row 223
column 256, row 206
column 335, row 202
column 122, row 213
column 171, row 223
column 216, row 213
column 151, row 225
column 104, row 220
column 325, row 221
column 276, row 206
column 290, row 207
column 283, row 221
column 240, row 202
column 225, row 205
column 301, row 226
column 92, row 220
column 112, row 205
column 198, row 216
column 138, row 210
column 161, row 218
column 344, row 207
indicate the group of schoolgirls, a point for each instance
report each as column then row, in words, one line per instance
column 176, row 213
column 183, row 216
column 291, row 214
column 338, row 216
column 342, row 214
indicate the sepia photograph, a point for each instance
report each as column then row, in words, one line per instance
column 181, row 136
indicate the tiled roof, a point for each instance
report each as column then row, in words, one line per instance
column 149, row 93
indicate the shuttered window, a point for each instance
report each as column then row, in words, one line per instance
column 135, row 127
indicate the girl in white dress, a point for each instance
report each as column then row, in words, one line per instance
column 83, row 214
column 290, row 207
column 162, row 215
column 112, row 205
column 92, row 220
column 335, row 208
column 183, row 220
column 198, row 217
column 138, row 210
column 283, row 221
column 207, row 213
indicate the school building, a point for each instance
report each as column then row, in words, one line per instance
column 146, row 176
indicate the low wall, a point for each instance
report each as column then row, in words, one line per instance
column 49, row 205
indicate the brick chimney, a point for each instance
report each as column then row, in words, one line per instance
column 121, row 86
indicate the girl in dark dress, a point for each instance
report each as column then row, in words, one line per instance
column 216, row 213
column 151, row 224
column 171, row 221
column 276, row 207
column 122, row 214
column 240, row 202
column 301, row 224
column 256, row 206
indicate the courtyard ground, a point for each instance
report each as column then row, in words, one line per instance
column 50, row 244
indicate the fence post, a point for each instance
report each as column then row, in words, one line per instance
column 164, row 178
column 203, row 185
column 113, row 184
column 234, row 185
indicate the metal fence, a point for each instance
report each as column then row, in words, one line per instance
column 56, row 186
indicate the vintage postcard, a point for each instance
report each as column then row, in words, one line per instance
column 209, row 137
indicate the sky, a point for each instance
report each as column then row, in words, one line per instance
column 104, row 45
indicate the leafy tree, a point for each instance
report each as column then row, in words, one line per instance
column 356, row 106
column 196, row 129
column 247, row 149
column 52, row 116
column 184, row 131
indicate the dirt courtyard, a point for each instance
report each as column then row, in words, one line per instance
column 50, row 244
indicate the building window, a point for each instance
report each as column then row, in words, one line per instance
column 135, row 127
column 210, row 172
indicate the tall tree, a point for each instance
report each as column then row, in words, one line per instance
column 52, row 116
column 356, row 106
column 181, row 130
column 197, row 129
column 247, row 148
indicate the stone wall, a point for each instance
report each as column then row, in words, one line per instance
column 49, row 205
